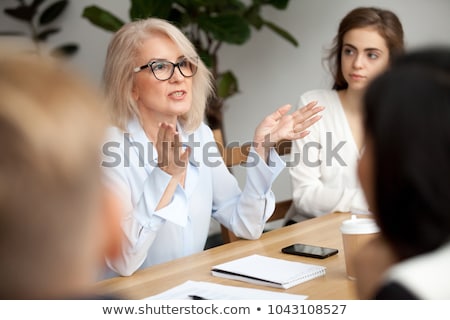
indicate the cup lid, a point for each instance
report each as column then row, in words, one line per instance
column 359, row 226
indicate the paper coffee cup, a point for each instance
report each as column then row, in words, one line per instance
column 355, row 233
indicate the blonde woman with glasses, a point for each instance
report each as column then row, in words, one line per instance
column 161, row 159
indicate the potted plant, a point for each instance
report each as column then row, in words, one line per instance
column 208, row 24
column 40, row 21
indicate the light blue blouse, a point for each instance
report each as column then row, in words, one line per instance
column 181, row 228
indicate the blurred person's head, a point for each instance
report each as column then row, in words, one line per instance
column 130, row 78
column 368, row 38
column 55, row 227
column 405, row 169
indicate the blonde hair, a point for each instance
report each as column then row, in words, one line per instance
column 51, row 128
column 121, row 59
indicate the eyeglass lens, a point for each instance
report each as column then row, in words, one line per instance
column 164, row 70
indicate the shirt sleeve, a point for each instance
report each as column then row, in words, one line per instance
column 246, row 212
column 141, row 221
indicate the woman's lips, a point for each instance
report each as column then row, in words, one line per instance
column 356, row 76
column 179, row 94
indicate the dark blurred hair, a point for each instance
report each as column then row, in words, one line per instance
column 384, row 21
column 407, row 117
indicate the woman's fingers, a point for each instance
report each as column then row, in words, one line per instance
column 303, row 125
column 280, row 125
column 305, row 117
column 160, row 135
column 176, row 149
column 185, row 156
column 307, row 111
column 280, row 112
column 169, row 133
column 171, row 157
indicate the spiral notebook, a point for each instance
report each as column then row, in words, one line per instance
column 272, row 272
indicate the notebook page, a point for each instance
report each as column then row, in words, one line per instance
column 214, row 291
column 276, row 272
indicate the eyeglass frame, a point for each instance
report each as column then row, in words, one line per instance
column 150, row 64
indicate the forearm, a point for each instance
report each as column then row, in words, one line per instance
column 158, row 199
column 137, row 240
column 169, row 192
column 246, row 212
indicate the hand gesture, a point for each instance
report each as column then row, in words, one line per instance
column 283, row 126
column 171, row 157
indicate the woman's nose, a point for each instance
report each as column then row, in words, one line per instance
column 358, row 62
column 177, row 76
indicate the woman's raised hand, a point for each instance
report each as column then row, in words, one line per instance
column 171, row 157
column 283, row 126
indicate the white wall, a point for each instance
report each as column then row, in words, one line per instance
column 271, row 72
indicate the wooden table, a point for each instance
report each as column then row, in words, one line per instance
column 322, row 231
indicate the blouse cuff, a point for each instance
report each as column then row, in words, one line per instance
column 261, row 175
column 175, row 211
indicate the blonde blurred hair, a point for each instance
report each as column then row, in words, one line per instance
column 121, row 59
column 51, row 127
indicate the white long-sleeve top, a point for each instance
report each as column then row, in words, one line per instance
column 424, row 275
column 181, row 228
column 323, row 165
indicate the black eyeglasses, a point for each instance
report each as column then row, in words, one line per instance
column 164, row 69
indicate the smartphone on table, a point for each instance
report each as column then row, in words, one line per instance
column 311, row 251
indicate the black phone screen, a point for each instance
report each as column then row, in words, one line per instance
column 309, row 251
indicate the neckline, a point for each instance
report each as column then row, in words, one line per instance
column 347, row 124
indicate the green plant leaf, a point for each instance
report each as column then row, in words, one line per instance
column 146, row 8
column 206, row 57
column 102, row 18
column 253, row 17
column 65, row 50
column 220, row 6
column 12, row 33
column 195, row 4
column 279, row 4
column 227, row 85
column 179, row 18
column 36, row 3
column 282, row 33
column 52, row 12
column 230, row 28
column 43, row 35
column 23, row 12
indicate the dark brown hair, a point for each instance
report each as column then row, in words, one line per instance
column 412, row 185
column 384, row 21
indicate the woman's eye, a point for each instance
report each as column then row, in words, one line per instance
column 348, row 52
column 185, row 64
column 159, row 66
column 372, row 56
